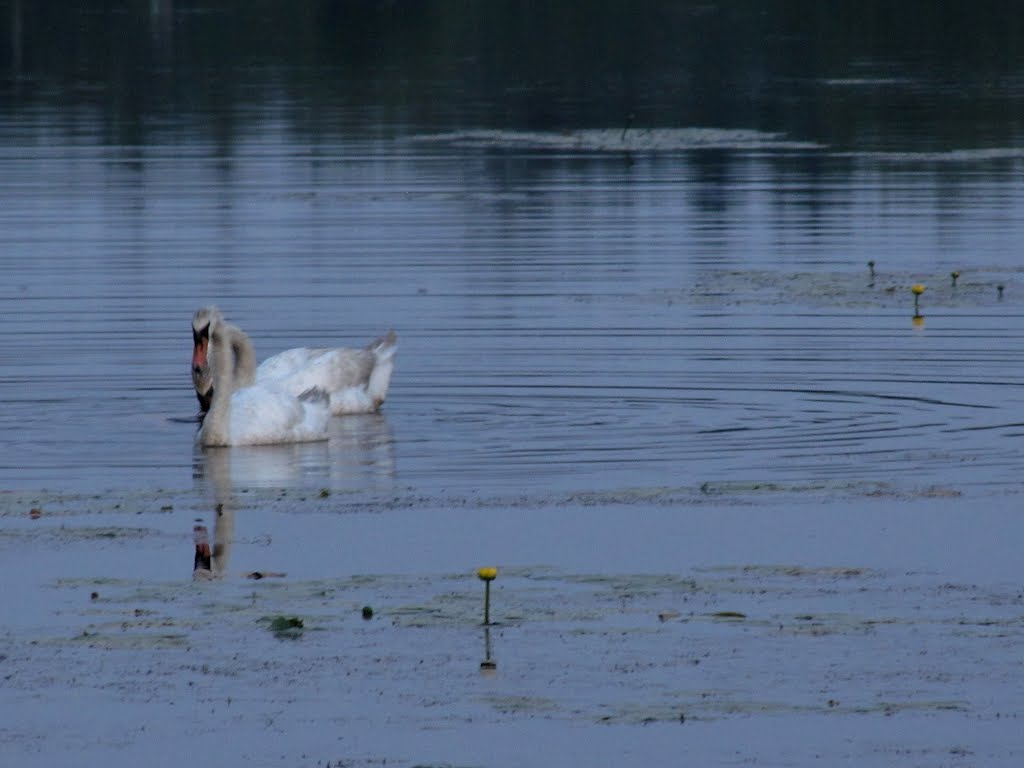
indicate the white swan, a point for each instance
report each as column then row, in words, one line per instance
column 257, row 414
column 357, row 380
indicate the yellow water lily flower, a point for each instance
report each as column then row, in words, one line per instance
column 487, row 574
column 917, row 289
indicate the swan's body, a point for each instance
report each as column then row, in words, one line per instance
column 257, row 414
column 356, row 380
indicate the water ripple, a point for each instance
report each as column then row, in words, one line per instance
column 565, row 326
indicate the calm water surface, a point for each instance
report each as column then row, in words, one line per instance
column 672, row 301
column 568, row 319
column 625, row 248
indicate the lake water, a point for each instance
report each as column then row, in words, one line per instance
column 572, row 315
column 655, row 278
column 659, row 361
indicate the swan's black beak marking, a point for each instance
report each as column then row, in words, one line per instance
column 202, row 333
column 201, row 341
column 205, row 400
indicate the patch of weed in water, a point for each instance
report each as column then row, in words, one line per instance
column 893, row 707
column 529, row 705
column 285, row 627
column 133, row 641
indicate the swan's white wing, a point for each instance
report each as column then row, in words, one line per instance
column 356, row 379
column 264, row 414
column 302, row 368
column 286, row 364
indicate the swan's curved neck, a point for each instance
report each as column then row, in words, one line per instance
column 243, row 358
column 232, row 366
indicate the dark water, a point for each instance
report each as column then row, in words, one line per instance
column 621, row 249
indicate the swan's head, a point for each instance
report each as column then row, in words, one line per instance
column 203, row 324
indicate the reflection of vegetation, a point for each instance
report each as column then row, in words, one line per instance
column 833, row 72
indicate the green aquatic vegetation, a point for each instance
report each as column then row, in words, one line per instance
column 285, row 627
column 445, row 610
column 698, row 706
column 140, row 630
column 633, row 584
column 281, row 623
column 857, row 488
column 65, row 505
column 794, row 571
column 822, row 625
column 530, row 705
column 135, row 641
column 67, row 534
column 840, row 290
column 893, row 707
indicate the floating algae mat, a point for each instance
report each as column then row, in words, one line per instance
column 848, row 290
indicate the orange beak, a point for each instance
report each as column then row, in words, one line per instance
column 199, row 354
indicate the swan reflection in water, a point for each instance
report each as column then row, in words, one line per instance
column 359, row 456
column 211, row 562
